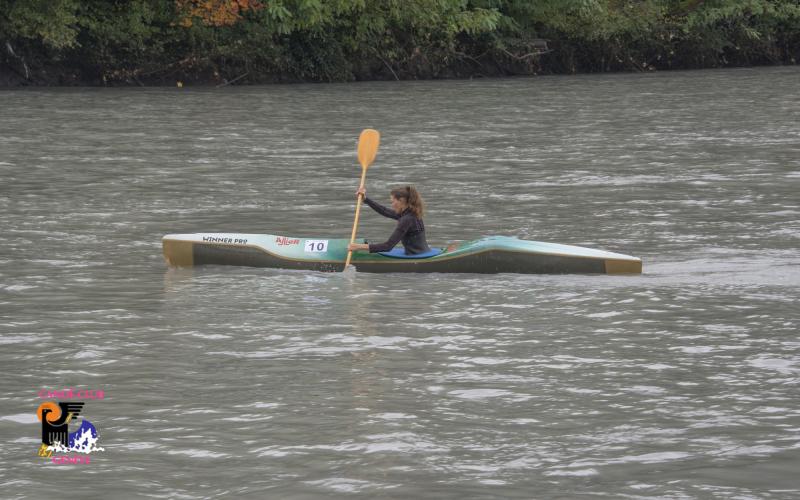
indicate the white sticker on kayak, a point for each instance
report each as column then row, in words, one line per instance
column 316, row 246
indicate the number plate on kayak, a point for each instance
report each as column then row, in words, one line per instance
column 316, row 246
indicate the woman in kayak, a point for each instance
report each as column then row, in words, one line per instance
column 407, row 209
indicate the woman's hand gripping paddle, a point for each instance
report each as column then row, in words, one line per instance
column 367, row 149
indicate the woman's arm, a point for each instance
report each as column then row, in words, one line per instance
column 386, row 212
column 402, row 228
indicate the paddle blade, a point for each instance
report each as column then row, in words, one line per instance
column 368, row 147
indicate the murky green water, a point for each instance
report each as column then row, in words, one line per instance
column 223, row 382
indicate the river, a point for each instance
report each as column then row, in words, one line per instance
column 227, row 382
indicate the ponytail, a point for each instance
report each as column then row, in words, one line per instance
column 413, row 199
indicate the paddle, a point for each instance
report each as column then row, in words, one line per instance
column 367, row 149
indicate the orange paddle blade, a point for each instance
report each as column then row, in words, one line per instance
column 368, row 147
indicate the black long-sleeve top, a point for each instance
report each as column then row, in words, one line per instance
column 410, row 230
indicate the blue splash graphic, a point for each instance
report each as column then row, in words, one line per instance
column 84, row 438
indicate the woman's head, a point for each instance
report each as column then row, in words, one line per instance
column 408, row 197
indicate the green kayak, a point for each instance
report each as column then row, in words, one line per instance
column 495, row 254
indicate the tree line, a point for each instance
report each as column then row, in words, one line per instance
column 149, row 42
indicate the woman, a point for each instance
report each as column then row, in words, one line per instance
column 407, row 209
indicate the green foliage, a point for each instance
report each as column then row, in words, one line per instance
column 339, row 40
column 53, row 22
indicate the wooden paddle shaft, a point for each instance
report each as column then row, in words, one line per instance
column 358, row 212
column 367, row 149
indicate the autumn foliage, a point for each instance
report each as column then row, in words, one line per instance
column 214, row 12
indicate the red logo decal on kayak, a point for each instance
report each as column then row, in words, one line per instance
column 283, row 240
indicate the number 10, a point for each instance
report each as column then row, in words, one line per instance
column 316, row 245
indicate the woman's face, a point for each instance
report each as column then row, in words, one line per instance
column 398, row 205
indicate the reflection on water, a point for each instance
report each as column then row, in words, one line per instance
column 681, row 382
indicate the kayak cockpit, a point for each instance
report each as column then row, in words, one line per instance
column 400, row 253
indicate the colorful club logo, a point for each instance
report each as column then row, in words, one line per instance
column 55, row 418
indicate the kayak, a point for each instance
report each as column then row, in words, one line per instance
column 495, row 254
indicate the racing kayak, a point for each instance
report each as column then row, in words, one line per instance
column 495, row 254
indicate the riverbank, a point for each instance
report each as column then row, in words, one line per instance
column 59, row 74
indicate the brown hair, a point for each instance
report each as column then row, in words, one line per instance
column 413, row 199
